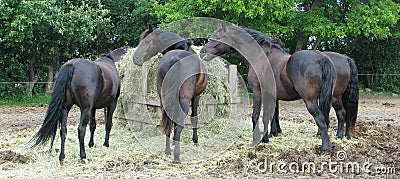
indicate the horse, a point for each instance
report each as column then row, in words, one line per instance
column 319, row 78
column 180, row 80
column 90, row 85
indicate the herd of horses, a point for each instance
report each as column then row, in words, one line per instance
column 321, row 79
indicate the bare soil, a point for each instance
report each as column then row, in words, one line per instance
column 377, row 134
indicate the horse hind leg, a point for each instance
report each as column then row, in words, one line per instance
column 167, row 133
column 319, row 118
column 109, row 115
column 194, row 119
column 63, row 133
column 275, row 127
column 255, row 115
column 340, row 114
column 86, row 114
column 92, row 125
column 348, row 127
column 178, row 128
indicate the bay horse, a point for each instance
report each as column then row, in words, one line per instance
column 307, row 75
column 180, row 80
column 90, row 85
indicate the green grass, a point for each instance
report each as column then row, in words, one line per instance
column 26, row 100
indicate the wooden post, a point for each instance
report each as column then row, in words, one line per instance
column 233, row 87
column 145, row 72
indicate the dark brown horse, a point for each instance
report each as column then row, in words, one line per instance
column 181, row 78
column 90, row 85
column 307, row 75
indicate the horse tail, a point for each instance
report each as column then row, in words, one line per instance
column 350, row 95
column 166, row 122
column 54, row 111
column 326, row 88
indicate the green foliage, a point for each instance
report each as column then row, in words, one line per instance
column 266, row 15
column 37, row 34
column 128, row 18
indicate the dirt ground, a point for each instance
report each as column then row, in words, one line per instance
column 378, row 125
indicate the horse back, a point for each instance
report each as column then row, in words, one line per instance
column 181, row 69
column 109, row 87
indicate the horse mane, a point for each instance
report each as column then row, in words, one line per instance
column 264, row 39
column 106, row 55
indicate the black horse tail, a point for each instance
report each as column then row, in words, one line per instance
column 326, row 88
column 350, row 95
column 54, row 111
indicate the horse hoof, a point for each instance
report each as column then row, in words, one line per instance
column 325, row 152
column 339, row 137
column 106, row 145
column 265, row 140
column 167, row 152
column 84, row 161
column 61, row 162
column 176, row 159
column 196, row 144
column 273, row 134
column 253, row 144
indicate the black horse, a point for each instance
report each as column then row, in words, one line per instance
column 307, row 75
column 90, row 85
column 181, row 78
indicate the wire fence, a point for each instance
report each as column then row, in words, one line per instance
column 376, row 82
column 19, row 82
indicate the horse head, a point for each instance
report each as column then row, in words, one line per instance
column 216, row 45
column 154, row 41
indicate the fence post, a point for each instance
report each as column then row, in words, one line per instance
column 145, row 72
column 233, row 87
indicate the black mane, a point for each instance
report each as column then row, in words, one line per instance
column 264, row 39
column 106, row 56
column 182, row 44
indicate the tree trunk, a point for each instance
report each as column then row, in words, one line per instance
column 50, row 77
column 316, row 43
column 31, row 84
column 301, row 39
column 316, row 4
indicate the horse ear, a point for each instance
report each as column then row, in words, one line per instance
column 224, row 27
column 189, row 42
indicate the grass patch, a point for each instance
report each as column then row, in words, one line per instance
column 27, row 100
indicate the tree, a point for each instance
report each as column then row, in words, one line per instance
column 326, row 20
column 128, row 17
column 270, row 16
column 39, row 35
